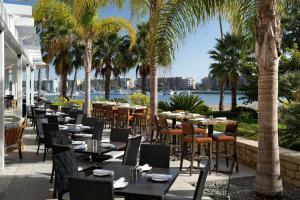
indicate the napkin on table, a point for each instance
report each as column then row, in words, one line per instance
column 120, row 183
column 159, row 176
column 107, row 145
column 103, row 172
column 80, row 146
column 143, row 168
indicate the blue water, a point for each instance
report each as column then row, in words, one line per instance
column 209, row 99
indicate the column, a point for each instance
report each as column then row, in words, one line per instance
column 2, row 153
column 28, row 84
column 32, row 87
column 14, row 79
column 6, row 81
column 19, row 85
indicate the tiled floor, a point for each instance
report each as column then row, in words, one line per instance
column 29, row 179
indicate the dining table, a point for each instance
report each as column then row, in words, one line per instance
column 211, row 122
column 140, row 186
column 179, row 116
column 96, row 147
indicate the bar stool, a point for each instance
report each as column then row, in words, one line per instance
column 229, row 136
column 141, row 120
column 189, row 137
column 154, row 128
column 109, row 115
column 98, row 110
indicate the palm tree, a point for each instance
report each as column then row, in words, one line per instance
column 218, row 71
column 83, row 19
column 230, row 59
column 268, row 179
column 77, row 63
column 112, row 56
column 143, row 66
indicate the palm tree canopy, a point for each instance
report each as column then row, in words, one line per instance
column 81, row 16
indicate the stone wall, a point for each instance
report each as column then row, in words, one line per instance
column 289, row 159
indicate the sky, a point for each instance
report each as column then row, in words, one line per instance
column 191, row 59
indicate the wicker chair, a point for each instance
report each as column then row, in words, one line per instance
column 131, row 151
column 52, row 119
column 14, row 139
column 48, row 130
column 40, row 133
column 155, row 155
column 119, row 135
column 90, row 188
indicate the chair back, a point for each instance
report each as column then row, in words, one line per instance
column 163, row 123
column 131, row 151
column 89, row 121
column 39, row 126
column 154, row 122
column 38, row 111
column 65, row 110
column 48, row 130
column 119, row 135
column 155, row 155
column 13, row 135
column 90, row 188
column 201, row 181
column 187, row 128
column 79, row 118
column 54, row 107
column 231, row 129
column 109, row 112
column 64, row 164
column 98, row 130
column 61, row 137
column 123, row 113
column 52, row 119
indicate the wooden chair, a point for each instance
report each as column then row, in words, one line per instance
column 123, row 118
column 141, row 119
column 98, row 110
column 109, row 115
column 14, row 139
column 189, row 137
column 229, row 136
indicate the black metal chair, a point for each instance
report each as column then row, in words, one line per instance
column 155, row 155
column 88, row 121
column 79, row 118
column 201, row 181
column 119, row 135
column 90, row 188
column 48, row 130
column 28, row 112
column 98, row 130
column 53, row 107
column 40, row 132
column 65, row 110
column 131, row 151
column 52, row 119
column 65, row 165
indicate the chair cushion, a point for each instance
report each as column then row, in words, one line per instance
column 198, row 139
column 223, row 138
column 199, row 130
column 171, row 131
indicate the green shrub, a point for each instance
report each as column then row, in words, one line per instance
column 139, row 99
column 119, row 100
column 189, row 103
column 289, row 115
column 63, row 102
column 99, row 98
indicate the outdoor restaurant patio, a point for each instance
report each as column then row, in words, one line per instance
column 29, row 178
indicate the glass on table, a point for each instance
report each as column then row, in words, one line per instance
column 211, row 118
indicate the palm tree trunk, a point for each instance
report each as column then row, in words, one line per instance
column 143, row 83
column 221, row 102
column 221, row 27
column 88, row 67
column 39, row 83
column 233, row 84
column 268, row 40
column 63, row 82
column 154, row 7
column 107, row 75
column 74, row 80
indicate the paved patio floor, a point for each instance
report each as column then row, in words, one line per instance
column 29, row 179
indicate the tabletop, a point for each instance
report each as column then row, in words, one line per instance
column 99, row 147
column 72, row 128
column 180, row 115
column 141, row 185
column 214, row 121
